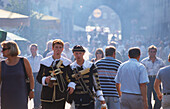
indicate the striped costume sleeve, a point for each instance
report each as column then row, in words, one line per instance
column 96, row 81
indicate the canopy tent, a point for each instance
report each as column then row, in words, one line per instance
column 11, row 19
column 11, row 36
column 45, row 21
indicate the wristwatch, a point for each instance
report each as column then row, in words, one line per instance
column 32, row 90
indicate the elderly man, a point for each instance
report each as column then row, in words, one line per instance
column 131, row 80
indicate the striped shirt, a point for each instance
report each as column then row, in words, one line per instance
column 107, row 69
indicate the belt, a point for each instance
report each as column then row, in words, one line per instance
column 131, row 93
column 152, row 76
column 166, row 93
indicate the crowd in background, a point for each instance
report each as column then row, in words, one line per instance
column 95, row 49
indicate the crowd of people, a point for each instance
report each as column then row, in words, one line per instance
column 113, row 76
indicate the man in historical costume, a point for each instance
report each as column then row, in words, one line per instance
column 54, row 76
column 86, row 78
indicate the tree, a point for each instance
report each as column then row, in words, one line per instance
column 19, row 6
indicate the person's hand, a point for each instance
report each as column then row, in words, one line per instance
column 47, row 79
column 102, row 102
column 146, row 105
column 159, row 95
column 31, row 94
column 70, row 89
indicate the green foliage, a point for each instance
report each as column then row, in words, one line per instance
column 19, row 6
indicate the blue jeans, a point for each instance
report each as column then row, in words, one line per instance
column 37, row 92
column 150, row 90
column 112, row 103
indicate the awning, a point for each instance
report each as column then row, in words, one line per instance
column 11, row 36
column 45, row 21
column 10, row 19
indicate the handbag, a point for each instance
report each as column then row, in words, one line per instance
column 26, row 77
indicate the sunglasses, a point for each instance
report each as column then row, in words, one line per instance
column 3, row 49
column 98, row 53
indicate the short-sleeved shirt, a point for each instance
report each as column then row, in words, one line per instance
column 130, row 75
column 107, row 70
column 164, row 76
column 152, row 68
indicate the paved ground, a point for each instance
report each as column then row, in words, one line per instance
column 31, row 105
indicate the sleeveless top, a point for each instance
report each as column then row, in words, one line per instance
column 13, row 90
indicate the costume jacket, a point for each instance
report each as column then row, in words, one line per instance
column 83, row 94
column 58, row 90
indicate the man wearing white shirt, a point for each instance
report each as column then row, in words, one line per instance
column 152, row 64
column 34, row 60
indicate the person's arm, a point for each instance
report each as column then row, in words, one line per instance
column 118, row 85
column 97, row 86
column 30, row 76
column 70, row 80
column 157, row 88
column 143, row 89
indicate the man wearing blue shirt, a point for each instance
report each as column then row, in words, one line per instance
column 131, row 80
column 163, row 77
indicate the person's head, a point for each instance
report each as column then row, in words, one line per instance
column 169, row 57
column 152, row 51
column 10, row 48
column 66, row 45
column 33, row 49
column 99, row 53
column 78, row 52
column 49, row 45
column 57, row 46
column 113, row 43
column 134, row 52
column 110, row 51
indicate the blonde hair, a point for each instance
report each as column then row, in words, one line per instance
column 152, row 47
column 13, row 47
column 34, row 45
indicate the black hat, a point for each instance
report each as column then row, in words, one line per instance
column 78, row 48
